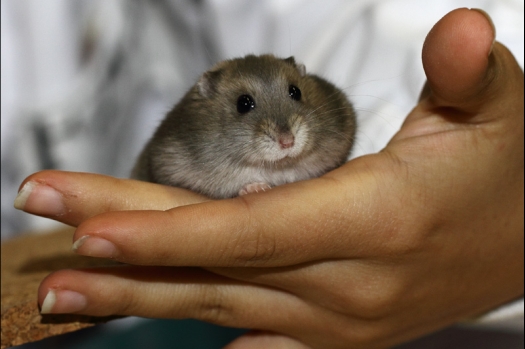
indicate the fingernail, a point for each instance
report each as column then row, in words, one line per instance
column 63, row 301
column 39, row 199
column 93, row 246
column 23, row 194
column 486, row 15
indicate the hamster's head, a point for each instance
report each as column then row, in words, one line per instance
column 269, row 112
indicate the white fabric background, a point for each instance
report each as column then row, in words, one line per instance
column 84, row 83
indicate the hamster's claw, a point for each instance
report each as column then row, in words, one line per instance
column 254, row 188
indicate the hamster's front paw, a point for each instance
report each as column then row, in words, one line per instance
column 254, row 188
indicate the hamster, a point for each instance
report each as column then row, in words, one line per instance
column 247, row 125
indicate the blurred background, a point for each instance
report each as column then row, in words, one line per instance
column 85, row 83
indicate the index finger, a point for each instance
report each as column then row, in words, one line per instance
column 287, row 225
column 72, row 197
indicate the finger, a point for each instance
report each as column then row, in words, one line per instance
column 178, row 293
column 464, row 65
column 255, row 230
column 472, row 80
column 456, row 55
column 265, row 340
column 175, row 294
column 72, row 197
column 358, row 288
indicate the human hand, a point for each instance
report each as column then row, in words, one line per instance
column 387, row 248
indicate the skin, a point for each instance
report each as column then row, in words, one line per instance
column 387, row 248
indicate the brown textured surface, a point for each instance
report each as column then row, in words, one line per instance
column 25, row 262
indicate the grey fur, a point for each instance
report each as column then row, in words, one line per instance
column 204, row 144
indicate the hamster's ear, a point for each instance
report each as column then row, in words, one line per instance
column 300, row 67
column 207, row 84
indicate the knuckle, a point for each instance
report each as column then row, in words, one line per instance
column 404, row 226
column 126, row 303
column 254, row 249
column 371, row 297
column 363, row 334
column 413, row 236
column 404, row 244
column 213, row 307
column 126, row 306
column 254, row 245
column 403, row 236
column 379, row 300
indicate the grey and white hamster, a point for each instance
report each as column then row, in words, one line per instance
column 249, row 124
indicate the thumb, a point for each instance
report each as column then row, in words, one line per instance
column 470, row 79
column 464, row 65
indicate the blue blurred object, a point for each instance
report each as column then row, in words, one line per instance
column 147, row 333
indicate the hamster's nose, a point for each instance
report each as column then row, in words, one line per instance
column 286, row 140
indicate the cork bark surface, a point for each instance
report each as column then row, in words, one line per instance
column 25, row 262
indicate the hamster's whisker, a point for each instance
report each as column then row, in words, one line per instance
column 331, row 97
column 343, row 135
column 333, row 110
column 208, row 145
column 372, row 81
column 376, row 97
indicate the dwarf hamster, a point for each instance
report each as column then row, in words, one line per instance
column 247, row 125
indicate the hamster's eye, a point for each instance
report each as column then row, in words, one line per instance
column 294, row 92
column 245, row 103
